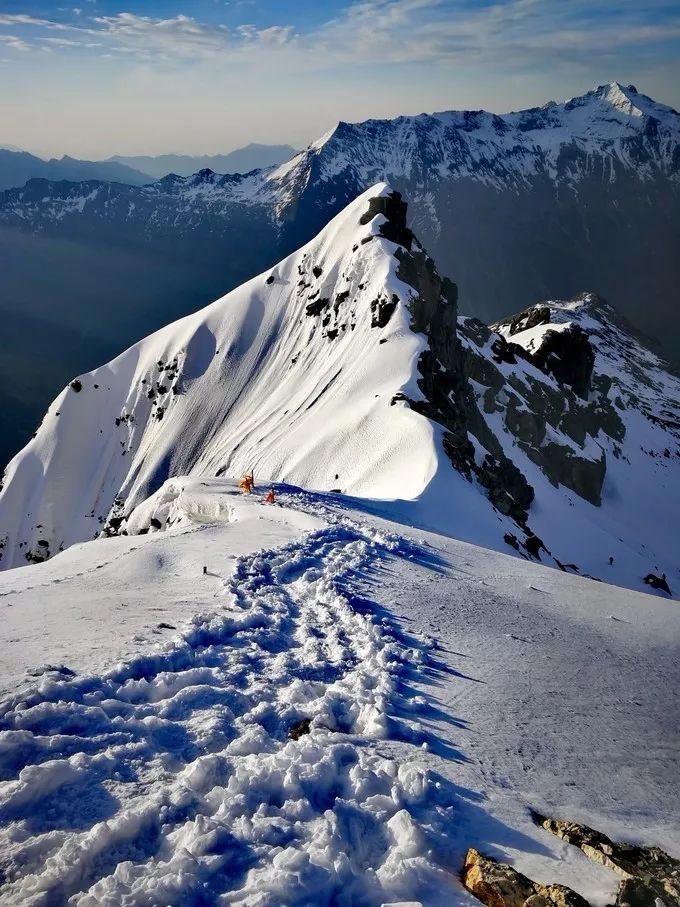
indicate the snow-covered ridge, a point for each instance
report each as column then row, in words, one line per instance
column 345, row 369
column 291, row 375
column 611, row 126
column 497, row 148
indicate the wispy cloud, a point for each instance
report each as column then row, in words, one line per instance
column 7, row 19
column 14, row 43
column 521, row 30
column 371, row 32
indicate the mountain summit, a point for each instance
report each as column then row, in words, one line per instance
column 346, row 368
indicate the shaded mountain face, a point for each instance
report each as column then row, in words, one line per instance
column 347, row 368
column 17, row 167
column 242, row 160
column 541, row 203
column 545, row 202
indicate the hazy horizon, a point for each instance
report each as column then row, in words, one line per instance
column 171, row 77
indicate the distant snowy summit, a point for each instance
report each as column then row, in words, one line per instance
column 346, row 368
column 560, row 141
column 543, row 202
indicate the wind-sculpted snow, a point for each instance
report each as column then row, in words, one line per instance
column 174, row 779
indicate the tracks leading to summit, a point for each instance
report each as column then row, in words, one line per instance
column 172, row 779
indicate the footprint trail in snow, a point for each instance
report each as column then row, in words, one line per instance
column 172, row 779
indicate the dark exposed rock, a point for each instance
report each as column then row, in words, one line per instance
column 317, row 306
column 530, row 318
column 564, row 467
column 565, row 354
column 505, row 352
column 499, row 885
column 76, row 385
column 511, row 540
column 382, row 310
column 270, row 279
column 156, row 523
column 658, row 582
column 300, row 728
column 444, row 383
column 508, row 490
column 569, row 357
column 534, row 545
column 317, row 270
column 394, row 210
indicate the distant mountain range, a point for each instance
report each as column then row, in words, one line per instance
column 17, row 167
column 541, row 203
column 242, row 160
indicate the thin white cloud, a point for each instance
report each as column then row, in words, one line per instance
column 13, row 43
column 185, row 37
column 7, row 19
column 374, row 32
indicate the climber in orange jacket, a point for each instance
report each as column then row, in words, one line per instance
column 247, row 483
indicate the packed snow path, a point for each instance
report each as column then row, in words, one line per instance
column 172, row 779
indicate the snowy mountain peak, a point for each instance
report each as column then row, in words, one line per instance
column 623, row 98
column 291, row 375
column 345, row 368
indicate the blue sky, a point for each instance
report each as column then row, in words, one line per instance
column 148, row 76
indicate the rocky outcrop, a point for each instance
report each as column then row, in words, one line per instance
column 569, row 357
column 499, row 885
column 563, row 466
column 530, row 318
column 566, row 353
column 444, row 382
column 394, row 209
column 658, row 582
column 650, row 876
column 434, row 312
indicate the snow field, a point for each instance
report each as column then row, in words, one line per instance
column 171, row 779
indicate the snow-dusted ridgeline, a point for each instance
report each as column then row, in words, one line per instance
column 289, row 375
column 343, row 369
column 541, row 203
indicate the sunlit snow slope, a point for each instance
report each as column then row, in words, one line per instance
column 289, row 375
column 346, row 368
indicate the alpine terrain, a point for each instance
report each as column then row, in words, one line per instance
column 331, row 688
column 543, row 203
column 346, row 368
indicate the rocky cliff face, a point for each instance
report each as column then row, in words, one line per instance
column 561, row 399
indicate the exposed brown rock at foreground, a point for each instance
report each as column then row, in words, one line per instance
column 499, row 885
column 649, row 873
